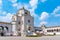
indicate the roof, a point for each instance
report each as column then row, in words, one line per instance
column 5, row 23
column 38, row 28
column 49, row 26
column 23, row 9
column 52, row 26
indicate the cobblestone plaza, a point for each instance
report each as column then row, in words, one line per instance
column 31, row 38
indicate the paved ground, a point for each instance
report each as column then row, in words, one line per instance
column 31, row 38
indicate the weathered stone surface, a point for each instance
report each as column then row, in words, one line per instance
column 30, row 38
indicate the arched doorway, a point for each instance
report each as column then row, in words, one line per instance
column 6, row 28
column 29, row 28
column 19, row 31
column 1, row 31
column 6, row 31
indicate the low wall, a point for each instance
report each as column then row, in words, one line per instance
column 57, row 33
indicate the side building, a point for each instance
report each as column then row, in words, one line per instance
column 53, row 30
column 5, row 28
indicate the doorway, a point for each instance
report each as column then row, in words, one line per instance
column 1, row 31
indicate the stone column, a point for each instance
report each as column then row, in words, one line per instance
column 14, row 30
column 23, row 31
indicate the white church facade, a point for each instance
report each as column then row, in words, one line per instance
column 23, row 24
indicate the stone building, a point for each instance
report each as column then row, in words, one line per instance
column 5, row 28
column 53, row 30
column 22, row 23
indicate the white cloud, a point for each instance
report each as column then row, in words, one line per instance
column 33, row 3
column 43, row 0
column 13, row 1
column 0, row 11
column 44, row 15
column 3, row 12
column 17, row 5
column 33, row 13
column 0, row 2
column 57, row 15
column 43, row 22
column 6, row 18
column 27, row 6
column 56, row 11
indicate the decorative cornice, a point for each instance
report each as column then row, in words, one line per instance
column 5, row 23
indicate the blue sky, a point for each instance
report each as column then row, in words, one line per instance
column 44, row 11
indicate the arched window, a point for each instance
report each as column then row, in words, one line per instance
column 19, row 23
column 6, row 28
column 57, row 30
column 26, row 13
column 18, row 29
column 29, row 28
column 2, row 28
column 28, row 21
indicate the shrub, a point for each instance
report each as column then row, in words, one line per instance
column 50, row 34
column 32, row 35
column 38, row 35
